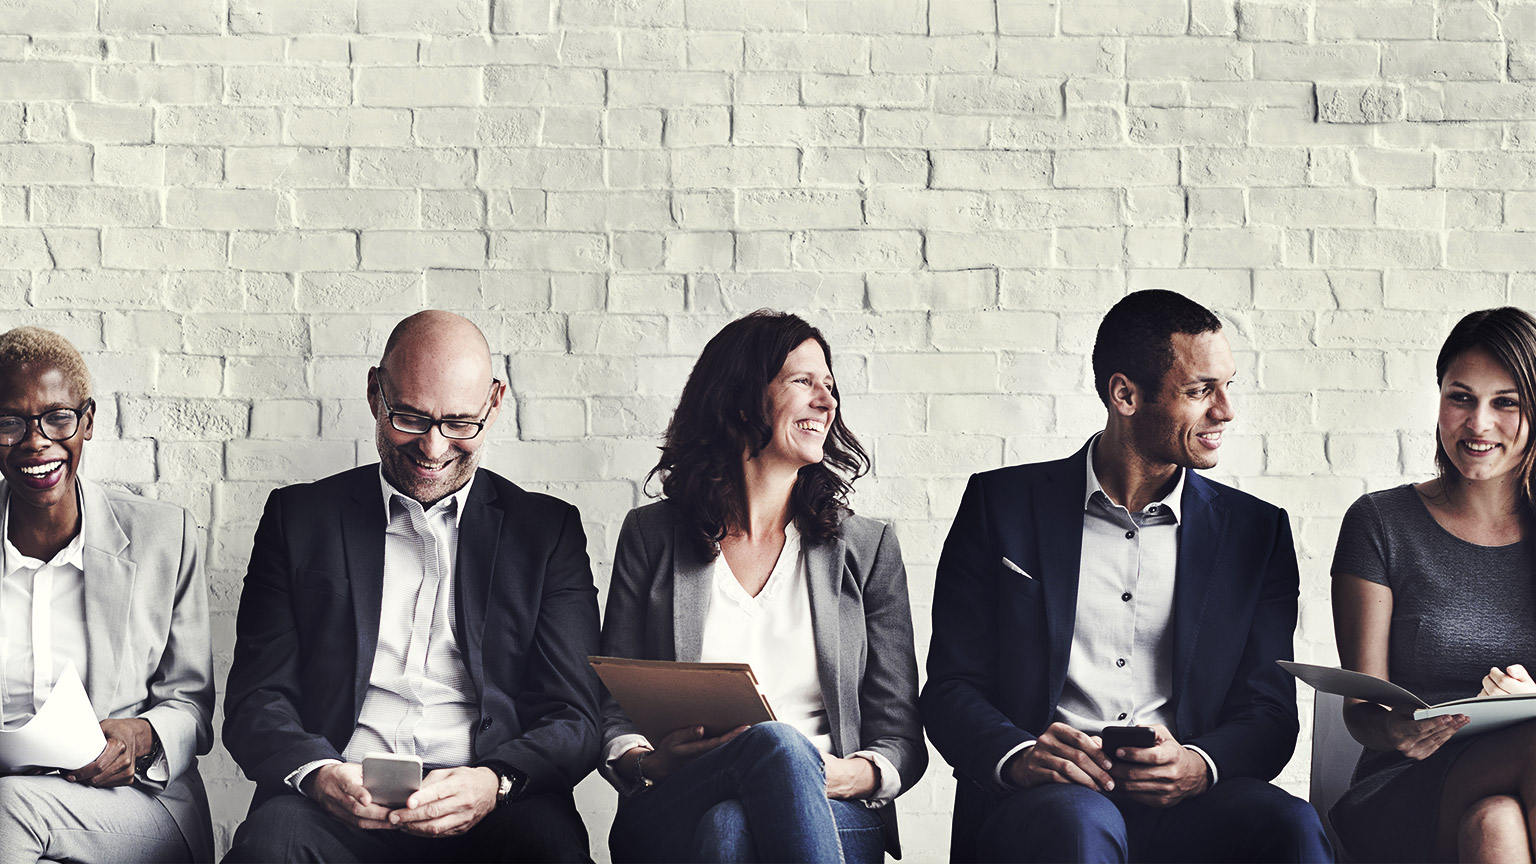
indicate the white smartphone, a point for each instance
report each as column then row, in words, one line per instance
column 390, row 778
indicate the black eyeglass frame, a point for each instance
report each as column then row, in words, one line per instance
column 28, row 419
column 428, row 422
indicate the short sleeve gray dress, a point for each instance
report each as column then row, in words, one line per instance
column 1457, row 609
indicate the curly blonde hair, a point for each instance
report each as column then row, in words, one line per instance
column 42, row 349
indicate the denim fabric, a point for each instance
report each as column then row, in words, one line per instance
column 761, row 797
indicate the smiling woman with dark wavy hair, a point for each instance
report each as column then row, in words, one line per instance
column 724, row 414
column 754, row 556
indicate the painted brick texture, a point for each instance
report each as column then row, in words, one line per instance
column 226, row 204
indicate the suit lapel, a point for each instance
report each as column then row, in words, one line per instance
column 362, row 537
column 1058, row 509
column 1202, row 525
column 109, row 577
column 825, row 577
column 691, row 576
column 479, row 531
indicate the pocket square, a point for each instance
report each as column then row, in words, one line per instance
column 1016, row 568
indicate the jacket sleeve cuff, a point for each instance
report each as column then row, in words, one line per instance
column 296, row 779
column 611, row 755
column 1209, row 762
column 997, row 773
column 890, row 779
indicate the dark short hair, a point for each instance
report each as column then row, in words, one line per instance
column 1136, row 338
column 724, row 412
column 1509, row 335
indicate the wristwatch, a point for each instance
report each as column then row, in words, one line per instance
column 510, row 784
column 143, row 763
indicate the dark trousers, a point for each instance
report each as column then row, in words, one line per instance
column 293, row 828
column 1241, row 819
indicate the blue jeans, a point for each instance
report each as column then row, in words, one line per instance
column 762, row 797
column 1241, row 819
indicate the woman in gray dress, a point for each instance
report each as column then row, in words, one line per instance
column 1432, row 589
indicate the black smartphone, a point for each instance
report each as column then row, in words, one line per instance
column 1115, row 737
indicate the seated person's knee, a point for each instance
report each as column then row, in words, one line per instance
column 1490, row 819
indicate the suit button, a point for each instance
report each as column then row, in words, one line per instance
column 1130, row 535
column 485, row 724
column 1120, row 662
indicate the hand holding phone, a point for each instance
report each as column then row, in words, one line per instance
column 390, row 778
column 1115, row 737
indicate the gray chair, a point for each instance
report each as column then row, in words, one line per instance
column 1334, row 754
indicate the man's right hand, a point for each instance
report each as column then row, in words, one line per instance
column 339, row 789
column 680, row 747
column 1061, row 755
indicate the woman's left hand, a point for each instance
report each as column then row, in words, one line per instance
column 1510, row 681
column 850, row 778
column 127, row 740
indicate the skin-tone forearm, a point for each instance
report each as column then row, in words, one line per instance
column 1381, row 728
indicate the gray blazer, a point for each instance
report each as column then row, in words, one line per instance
column 147, row 646
column 860, row 616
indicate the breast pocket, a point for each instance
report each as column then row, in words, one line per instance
column 1018, row 584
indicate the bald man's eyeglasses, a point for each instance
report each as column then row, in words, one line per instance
column 412, row 423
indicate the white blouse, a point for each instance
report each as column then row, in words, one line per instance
column 773, row 633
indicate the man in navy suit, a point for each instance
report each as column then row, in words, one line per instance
column 1118, row 587
column 421, row 606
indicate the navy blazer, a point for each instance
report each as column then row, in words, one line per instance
column 308, row 627
column 998, row 657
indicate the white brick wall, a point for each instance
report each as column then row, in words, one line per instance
column 227, row 203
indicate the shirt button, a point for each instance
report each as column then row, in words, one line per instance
column 1126, row 596
column 1130, row 535
column 1120, row 662
column 1122, row 715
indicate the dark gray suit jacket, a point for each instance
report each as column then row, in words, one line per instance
column 859, row 614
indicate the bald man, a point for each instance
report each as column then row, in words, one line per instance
column 419, row 606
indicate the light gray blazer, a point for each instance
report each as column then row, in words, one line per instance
column 860, row 617
column 147, row 645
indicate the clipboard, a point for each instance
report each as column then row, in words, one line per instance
column 661, row 696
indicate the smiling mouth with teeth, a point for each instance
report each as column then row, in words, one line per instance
column 1478, row 448
column 810, row 425
column 41, row 470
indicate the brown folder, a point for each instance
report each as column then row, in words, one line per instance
column 661, row 696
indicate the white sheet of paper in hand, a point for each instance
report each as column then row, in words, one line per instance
column 63, row 734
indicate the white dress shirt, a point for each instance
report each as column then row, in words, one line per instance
column 420, row 699
column 1120, row 670
column 773, row 632
column 42, row 613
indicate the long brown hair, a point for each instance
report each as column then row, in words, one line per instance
column 1509, row 336
column 723, row 413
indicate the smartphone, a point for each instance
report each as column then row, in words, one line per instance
column 390, row 778
column 1115, row 737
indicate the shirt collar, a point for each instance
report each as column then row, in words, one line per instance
column 454, row 502
column 1173, row 500
column 73, row 553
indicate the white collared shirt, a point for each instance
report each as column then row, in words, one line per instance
column 42, row 621
column 420, row 699
column 774, row 633
column 1120, row 670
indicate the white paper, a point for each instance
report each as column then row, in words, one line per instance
column 63, row 734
